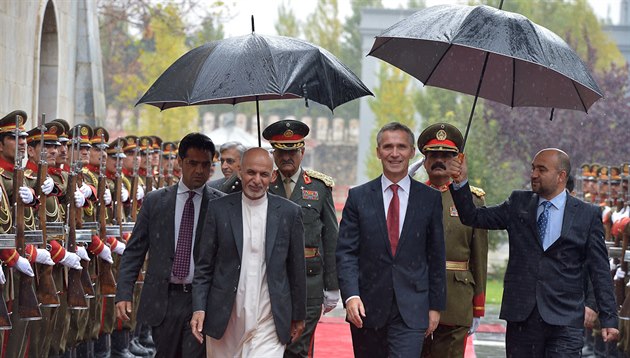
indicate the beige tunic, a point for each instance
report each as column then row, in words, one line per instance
column 251, row 331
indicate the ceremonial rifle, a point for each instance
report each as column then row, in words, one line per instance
column 7, row 241
column 46, row 288
column 133, row 212
column 148, row 179
column 106, row 279
column 83, row 236
column 28, row 306
column 160, row 180
column 76, row 294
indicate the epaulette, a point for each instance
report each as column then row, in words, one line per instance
column 477, row 191
column 93, row 177
column 321, row 176
column 3, row 174
column 126, row 183
column 28, row 174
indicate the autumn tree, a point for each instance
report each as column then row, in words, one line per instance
column 287, row 24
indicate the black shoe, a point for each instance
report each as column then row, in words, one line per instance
column 138, row 349
column 119, row 345
column 146, row 338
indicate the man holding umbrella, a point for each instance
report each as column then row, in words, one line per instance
column 311, row 190
column 554, row 240
column 466, row 249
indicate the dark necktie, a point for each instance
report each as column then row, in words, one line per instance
column 543, row 221
column 181, row 264
column 393, row 218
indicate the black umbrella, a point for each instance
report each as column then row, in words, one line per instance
column 252, row 68
column 489, row 53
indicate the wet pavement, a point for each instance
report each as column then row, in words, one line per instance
column 490, row 338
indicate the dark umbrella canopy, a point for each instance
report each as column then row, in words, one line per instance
column 527, row 65
column 255, row 67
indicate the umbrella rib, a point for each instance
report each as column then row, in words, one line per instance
column 438, row 63
column 579, row 96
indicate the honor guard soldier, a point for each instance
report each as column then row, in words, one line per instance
column 169, row 157
column 311, row 190
column 466, row 249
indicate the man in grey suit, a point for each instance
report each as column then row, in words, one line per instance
column 555, row 239
column 230, row 154
column 166, row 298
column 250, row 271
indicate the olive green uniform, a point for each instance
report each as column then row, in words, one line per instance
column 313, row 192
column 466, row 273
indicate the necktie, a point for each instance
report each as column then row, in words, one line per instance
column 393, row 218
column 287, row 187
column 181, row 264
column 543, row 221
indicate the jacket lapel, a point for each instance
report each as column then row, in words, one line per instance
column 202, row 213
column 273, row 219
column 378, row 204
column 570, row 211
column 169, row 198
column 236, row 220
column 530, row 216
column 410, row 213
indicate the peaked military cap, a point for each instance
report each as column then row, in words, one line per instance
column 63, row 136
column 440, row 137
column 115, row 148
column 287, row 134
column 51, row 135
column 83, row 133
column 8, row 123
column 100, row 137
column 131, row 142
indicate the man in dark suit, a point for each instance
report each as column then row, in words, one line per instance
column 230, row 156
column 554, row 240
column 250, row 272
column 390, row 255
column 168, row 229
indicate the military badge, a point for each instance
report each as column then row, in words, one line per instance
column 453, row 211
column 310, row 195
column 441, row 134
column 288, row 133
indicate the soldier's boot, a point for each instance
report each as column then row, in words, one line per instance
column 102, row 346
column 71, row 352
column 120, row 344
column 82, row 350
column 138, row 349
column 145, row 337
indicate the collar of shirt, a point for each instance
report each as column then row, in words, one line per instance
column 404, row 183
column 294, row 177
column 557, row 202
column 182, row 188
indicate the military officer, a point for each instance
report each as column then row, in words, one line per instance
column 311, row 190
column 466, row 249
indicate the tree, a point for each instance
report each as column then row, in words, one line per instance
column 287, row 25
column 324, row 28
column 392, row 103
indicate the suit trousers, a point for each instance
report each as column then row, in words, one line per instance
column 173, row 337
column 394, row 340
column 536, row 338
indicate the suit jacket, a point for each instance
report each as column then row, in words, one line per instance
column 366, row 267
column 227, row 185
column 154, row 233
column 218, row 264
column 552, row 280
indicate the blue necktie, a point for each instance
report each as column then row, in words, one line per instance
column 543, row 221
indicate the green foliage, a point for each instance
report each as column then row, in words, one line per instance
column 324, row 28
column 392, row 103
column 494, row 291
column 287, row 25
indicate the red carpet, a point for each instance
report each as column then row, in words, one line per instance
column 332, row 338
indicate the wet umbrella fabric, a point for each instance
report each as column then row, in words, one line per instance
column 251, row 67
column 527, row 65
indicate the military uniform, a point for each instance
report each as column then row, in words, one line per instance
column 311, row 190
column 466, row 254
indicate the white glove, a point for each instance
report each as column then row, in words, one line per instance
column 82, row 252
column 474, row 325
column 26, row 195
column 86, row 191
column 24, row 266
column 611, row 261
column 107, row 196
column 3, row 279
column 124, row 194
column 120, row 248
column 71, row 260
column 106, row 254
column 43, row 257
column 331, row 298
column 620, row 274
column 48, row 186
column 140, row 193
column 79, row 199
